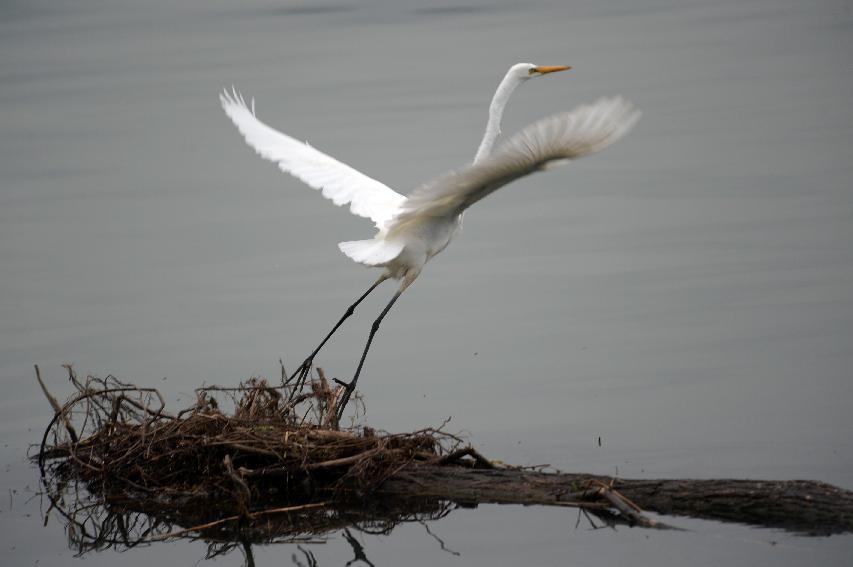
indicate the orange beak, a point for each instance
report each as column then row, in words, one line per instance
column 551, row 69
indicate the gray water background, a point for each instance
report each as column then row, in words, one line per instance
column 686, row 296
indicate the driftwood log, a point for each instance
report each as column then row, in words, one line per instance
column 803, row 506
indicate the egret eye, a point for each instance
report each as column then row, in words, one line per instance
column 532, row 71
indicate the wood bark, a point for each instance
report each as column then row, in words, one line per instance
column 809, row 507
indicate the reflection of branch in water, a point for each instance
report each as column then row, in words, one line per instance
column 97, row 521
column 439, row 540
column 236, row 518
column 309, row 557
column 248, row 554
column 357, row 549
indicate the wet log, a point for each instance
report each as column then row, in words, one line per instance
column 802, row 506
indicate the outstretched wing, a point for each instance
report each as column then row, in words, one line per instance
column 337, row 181
column 566, row 136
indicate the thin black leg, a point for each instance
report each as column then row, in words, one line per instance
column 305, row 368
column 350, row 386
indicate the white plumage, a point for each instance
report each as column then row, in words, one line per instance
column 413, row 229
column 400, row 220
column 544, row 143
column 337, row 181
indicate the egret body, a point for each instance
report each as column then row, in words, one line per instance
column 411, row 230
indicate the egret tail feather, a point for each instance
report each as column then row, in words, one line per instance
column 371, row 252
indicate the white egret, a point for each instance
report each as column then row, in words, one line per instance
column 411, row 230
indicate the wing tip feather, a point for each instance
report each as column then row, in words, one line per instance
column 232, row 100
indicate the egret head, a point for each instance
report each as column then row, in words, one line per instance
column 529, row 70
column 517, row 75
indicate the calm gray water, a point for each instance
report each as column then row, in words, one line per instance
column 687, row 296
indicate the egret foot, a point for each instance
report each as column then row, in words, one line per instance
column 349, row 388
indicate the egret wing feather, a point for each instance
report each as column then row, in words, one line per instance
column 571, row 135
column 336, row 180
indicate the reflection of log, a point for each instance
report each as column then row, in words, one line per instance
column 796, row 505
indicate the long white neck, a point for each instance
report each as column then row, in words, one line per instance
column 496, row 110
